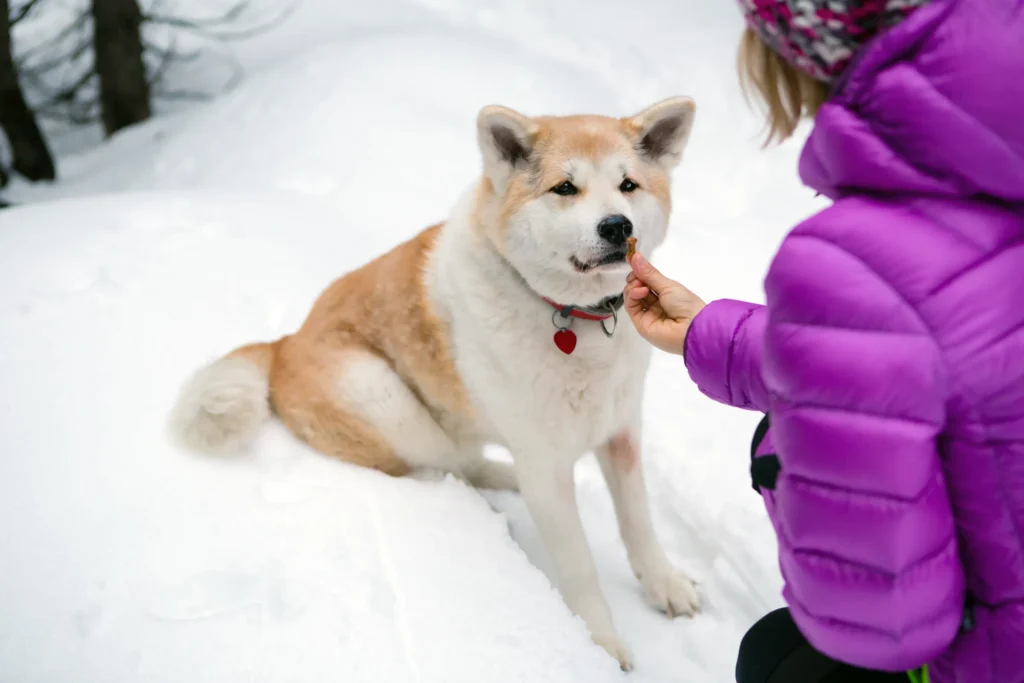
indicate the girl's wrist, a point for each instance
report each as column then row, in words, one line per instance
column 689, row 326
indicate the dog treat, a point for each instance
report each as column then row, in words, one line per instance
column 630, row 249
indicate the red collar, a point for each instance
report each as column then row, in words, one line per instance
column 573, row 312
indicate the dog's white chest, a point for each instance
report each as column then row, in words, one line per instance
column 534, row 395
column 527, row 393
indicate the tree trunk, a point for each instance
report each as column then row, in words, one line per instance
column 124, row 90
column 32, row 157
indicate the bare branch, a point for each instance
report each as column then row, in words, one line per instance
column 165, row 56
column 22, row 12
column 66, row 106
column 171, row 53
column 200, row 96
column 79, row 51
column 66, row 56
column 237, row 71
column 236, row 10
column 70, row 92
column 76, row 117
column 77, row 23
column 206, row 27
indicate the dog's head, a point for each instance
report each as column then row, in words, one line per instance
column 561, row 194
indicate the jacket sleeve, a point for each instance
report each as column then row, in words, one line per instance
column 867, row 542
column 723, row 351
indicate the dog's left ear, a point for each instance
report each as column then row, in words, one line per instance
column 662, row 131
column 506, row 140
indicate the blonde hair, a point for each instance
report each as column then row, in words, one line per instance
column 787, row 93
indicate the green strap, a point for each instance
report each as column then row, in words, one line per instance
column 919, row 675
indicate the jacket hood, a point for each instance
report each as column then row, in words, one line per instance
column 931, row 106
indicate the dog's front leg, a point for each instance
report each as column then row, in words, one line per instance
column 548, row 488
column 669, row 590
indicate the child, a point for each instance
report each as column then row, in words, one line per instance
column 890, row 354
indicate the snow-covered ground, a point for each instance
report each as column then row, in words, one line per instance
column 126, row 559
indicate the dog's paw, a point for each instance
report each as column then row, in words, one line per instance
column 614, row 646
column 674, row 593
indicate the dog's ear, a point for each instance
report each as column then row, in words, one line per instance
column 662, row 130
column 506, row 140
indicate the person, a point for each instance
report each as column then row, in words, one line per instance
column 888, row 359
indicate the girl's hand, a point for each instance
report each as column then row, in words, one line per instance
column 661, row 309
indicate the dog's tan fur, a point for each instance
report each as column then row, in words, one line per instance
column 380, row 309
column 558, row 141
column 424, row 355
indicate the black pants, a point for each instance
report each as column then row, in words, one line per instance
column 774, row 651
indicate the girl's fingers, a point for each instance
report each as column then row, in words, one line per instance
column 649, row 275
column 642, row 304
column 634, row 305
column 635, row 310
column 640, row 292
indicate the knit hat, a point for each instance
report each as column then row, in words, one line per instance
column 820, row 37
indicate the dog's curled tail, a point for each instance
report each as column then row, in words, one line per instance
column 222, row 406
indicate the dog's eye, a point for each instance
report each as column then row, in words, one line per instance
column 565, row 189
column 628, row 186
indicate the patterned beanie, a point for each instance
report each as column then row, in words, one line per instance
column 820, row 37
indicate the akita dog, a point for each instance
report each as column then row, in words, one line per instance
column 502, row 325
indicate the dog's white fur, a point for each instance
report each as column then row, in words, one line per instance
column 546, row 408
column 222, row 406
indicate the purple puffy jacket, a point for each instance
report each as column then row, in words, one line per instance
column 890, row 356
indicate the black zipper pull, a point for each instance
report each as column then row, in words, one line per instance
column 764, row 472
column 760, row 432
column 968, row 623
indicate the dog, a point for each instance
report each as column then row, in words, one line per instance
column 502, row 325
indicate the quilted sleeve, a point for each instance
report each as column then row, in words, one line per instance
column 867, row 542
column 723, row 353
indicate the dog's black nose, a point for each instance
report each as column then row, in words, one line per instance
column 615, row 229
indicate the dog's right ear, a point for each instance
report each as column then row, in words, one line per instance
column 506, row 140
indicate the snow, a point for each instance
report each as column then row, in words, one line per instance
column 127, row 559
